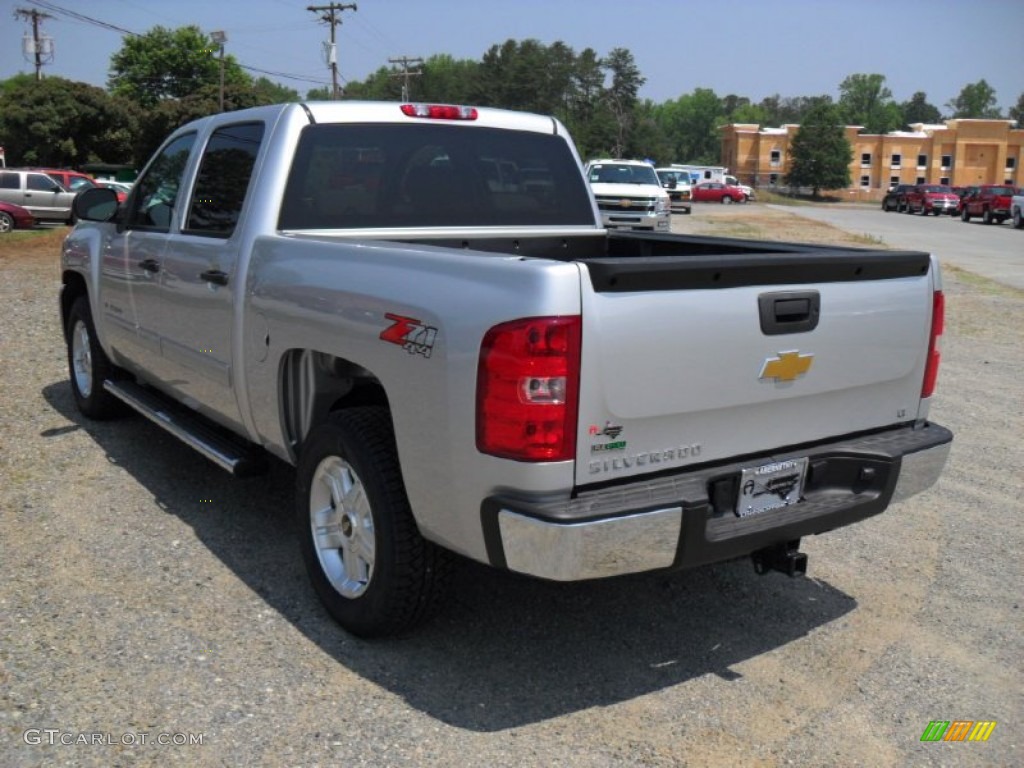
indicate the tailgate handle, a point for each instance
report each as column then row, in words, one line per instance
column 789, row 312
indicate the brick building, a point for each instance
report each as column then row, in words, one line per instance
column 959, row 152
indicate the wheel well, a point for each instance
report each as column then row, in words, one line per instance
column 313, row 384
column 73, row 286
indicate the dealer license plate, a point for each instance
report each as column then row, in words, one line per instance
column 771, row 486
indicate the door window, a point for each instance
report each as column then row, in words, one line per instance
column 158, row 189
column 223, row 180
column 37, row 182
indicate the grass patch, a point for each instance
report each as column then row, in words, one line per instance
column 983, row 284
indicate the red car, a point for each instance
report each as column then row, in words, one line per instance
column 932, row 198
column 990, row 201
column 14, row 217
column 714, row 192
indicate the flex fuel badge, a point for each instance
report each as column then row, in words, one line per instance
column 611, row 431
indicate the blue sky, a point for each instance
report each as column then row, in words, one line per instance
column 752, row 48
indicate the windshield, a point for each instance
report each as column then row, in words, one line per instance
column 422, row 175
column 938, row 188
column 620, row 173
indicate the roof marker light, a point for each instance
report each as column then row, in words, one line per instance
column 439, row 111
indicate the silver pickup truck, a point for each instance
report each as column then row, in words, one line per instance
column 463, row 361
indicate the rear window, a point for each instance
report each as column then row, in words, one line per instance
column 368, row 176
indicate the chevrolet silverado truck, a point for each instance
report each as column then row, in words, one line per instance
column 933, row 199
column 629, row 195
column 989, row 201
column 458, row 366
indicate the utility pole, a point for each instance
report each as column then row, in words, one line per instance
column 331, row 14
column 220, row 37
column 405, row 74
column 38, row 44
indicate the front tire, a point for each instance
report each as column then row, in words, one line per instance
column 726, row 200
column 88, row 365
column 964, row 215
column 368, row 563
column 986, row 216
column 1018, row 220
column 6, row 223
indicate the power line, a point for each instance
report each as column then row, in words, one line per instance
column 40, row 46
column 114, row 28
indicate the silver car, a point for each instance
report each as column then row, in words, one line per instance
column 45, row 198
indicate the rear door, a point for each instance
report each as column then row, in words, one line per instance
column 698, row 359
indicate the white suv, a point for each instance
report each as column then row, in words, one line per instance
column 629, row 195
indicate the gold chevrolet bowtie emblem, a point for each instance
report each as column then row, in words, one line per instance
column 786, row 367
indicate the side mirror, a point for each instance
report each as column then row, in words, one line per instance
column 95, row 204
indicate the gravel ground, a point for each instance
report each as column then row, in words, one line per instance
column 149, row 597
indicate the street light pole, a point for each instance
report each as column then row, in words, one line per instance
column 220, row 37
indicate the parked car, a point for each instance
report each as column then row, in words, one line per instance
column 72, row 181
column 677, row 184
column 932, row 198
column 895, row 199
column 713, row 192
column 629, row 195
column 119, row 187
column 1017, row 210
column 43, row 196
column 15, row 217
column 989, row 201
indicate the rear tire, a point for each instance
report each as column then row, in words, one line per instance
column 1018, row 220
column 6, row 223
column 89, row 366
column 986, row 216
column 368, row 563
column 964, row 215
column 726, row 200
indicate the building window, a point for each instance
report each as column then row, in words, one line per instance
column 1008, row 182
column 776, row 158
column 865, row 160
column 947, row 162
column 865, row 181
column 922, row 162
column 773, row 179
column 894, row 180
column 919, row 180
column 944, row 180
column 1011, row 163
column 897, row 160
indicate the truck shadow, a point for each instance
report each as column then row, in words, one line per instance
column 504, row 650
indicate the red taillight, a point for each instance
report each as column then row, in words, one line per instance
column 527, row 389
column 931, row 371
column 439, row 111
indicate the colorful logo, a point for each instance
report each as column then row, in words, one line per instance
column 788, row 366
column 958, row 730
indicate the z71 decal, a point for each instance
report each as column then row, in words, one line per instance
column 410, row 334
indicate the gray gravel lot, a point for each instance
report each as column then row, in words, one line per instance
column 146, row 594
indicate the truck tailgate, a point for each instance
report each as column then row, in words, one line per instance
column 694, row 360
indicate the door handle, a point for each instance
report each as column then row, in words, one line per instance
column 214, row 276
column 150, row 265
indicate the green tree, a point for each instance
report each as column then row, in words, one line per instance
column 169, row 63
column 63, row 123
column 918, row 110
column 864, row 100
column 690, row 124
column 977, row 100
column 621, row 96
column 446, row 79
column 1017, row 111
column 268, row 92
column 820, row 153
